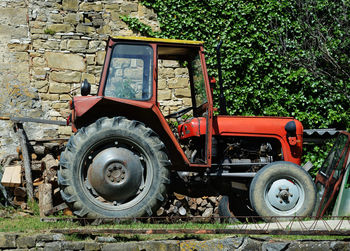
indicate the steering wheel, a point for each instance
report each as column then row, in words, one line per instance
column 178, row 113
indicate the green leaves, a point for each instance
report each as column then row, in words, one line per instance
column 279, row 57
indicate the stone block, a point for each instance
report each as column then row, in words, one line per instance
column 49, row 97
column 13, row 16
column 72, row 5
column 96, row 70
column 77, row 45
column 92, row 246
column 37, row 32
column 181, row 93
column 90, row 59
column 26, row 241
column 65, row 97
column 37, row 25
column 97, row 6
column 309, row 245
column 178, row 83
column 18, row 47
column 7, row 240
column 38, row 44
column 71, row 18
column 21, row 56
column 73, row 245
column 39, row 84
column 51, row 45
column 166, row 73
column 39, row 61
column 65, row 61
column 162, row 84
column 63, row 45
column 181, row 72
column 187, row 101
column 100, row 57
column 66, row 76
column 61, row 28
column 53, row 246
column 164, row 94
column 112, row 6
column 39, row 73
column 129, row 7
column 58, row 88
column 90, row 78
column 104, row 30
column 65, row 130
column 85, row 29
column 56, row 18
column 44, row 89
column 171, row 63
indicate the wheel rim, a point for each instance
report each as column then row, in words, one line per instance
column 284, row 196
column 131, row 181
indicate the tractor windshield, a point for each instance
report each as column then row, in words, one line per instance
column 198, row 79
column 130, row 72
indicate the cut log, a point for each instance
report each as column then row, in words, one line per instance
column 208, row 212
column 49, row 162
column 179, row 196
column 49, row 165
column 160, row 211
column 204, row 203
column 39, row 150
column 20, row 192
column 12, row 176
column 182, row 211
column 38, row 181
column 67, row 212
column 45, row 198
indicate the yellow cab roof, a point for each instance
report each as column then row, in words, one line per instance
column 168, row 48
column 159, row 40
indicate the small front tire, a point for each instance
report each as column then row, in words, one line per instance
column 282, row 189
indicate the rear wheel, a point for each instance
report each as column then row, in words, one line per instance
column 114, row 168
column 282, row 189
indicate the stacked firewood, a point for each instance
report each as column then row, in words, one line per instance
column 181, row 205
column 44, row 166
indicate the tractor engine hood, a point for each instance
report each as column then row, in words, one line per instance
column 255, row 126
column 278, row 127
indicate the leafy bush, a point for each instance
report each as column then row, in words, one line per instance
column 279, row 57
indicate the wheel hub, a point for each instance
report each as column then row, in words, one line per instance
column 116, row 174
column 283, row 194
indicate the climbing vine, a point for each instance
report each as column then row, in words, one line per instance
column 279, row 57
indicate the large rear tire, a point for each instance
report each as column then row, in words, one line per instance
column 114, row 168
column 282, row 189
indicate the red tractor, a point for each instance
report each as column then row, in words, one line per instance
column 125, row 154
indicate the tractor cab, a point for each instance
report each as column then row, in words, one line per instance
column 132, row 83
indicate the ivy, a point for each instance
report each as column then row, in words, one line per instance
column 279, row 57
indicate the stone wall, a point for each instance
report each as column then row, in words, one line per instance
column 13, row 241
column 47, row 48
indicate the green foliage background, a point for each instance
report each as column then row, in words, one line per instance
column 279, row 57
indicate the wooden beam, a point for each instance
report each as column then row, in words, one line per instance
column 26, row 160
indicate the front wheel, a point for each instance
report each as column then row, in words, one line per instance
column 114, row 168
column 282, row 189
